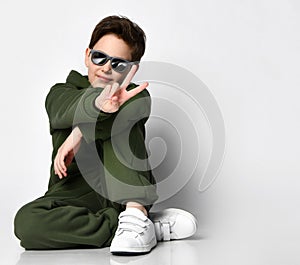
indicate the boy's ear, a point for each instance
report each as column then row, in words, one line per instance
column 86, row 59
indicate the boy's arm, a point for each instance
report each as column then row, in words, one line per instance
column 65, row 100
column 68, row 106
column 135, row 109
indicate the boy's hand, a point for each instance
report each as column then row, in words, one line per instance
column 114, row 96
column 66, row 153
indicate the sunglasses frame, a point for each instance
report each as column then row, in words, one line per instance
column 111, row 58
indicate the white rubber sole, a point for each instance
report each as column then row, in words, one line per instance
column 133, row 250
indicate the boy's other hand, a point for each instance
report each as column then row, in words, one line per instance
column 115, row 95
column 66, row 153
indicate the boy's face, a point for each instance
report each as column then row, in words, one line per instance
column 103, row 75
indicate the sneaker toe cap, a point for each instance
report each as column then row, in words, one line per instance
column 185, row 226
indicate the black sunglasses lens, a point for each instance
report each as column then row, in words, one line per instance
column 119, row 65
column 98, row 58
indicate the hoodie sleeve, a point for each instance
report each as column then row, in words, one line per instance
column 68, row 105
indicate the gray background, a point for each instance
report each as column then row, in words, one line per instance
column 246, row 52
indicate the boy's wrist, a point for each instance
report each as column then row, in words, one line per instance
column 76, row 132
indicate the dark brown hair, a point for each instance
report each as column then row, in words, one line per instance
column 125, row 29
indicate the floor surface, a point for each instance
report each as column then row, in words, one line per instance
column 193, row 251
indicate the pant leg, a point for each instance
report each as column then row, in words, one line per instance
column 71, row 216
column 127, row 172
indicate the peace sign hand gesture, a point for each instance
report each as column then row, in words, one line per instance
column 113, row 96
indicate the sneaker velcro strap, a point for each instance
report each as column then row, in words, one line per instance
column 130, row 227
column 132, row 220
column 166, row 231
column 127, row 213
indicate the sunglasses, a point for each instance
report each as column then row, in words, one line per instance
column 117, row 64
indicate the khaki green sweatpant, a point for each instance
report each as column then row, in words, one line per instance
column 72, row 214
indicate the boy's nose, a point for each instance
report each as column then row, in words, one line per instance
column 106, row 67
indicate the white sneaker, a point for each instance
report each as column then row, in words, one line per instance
column 173, row 224
column 135, row 234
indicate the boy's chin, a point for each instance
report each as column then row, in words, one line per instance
column 100, row 83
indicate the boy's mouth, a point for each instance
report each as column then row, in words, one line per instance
column 104, row 79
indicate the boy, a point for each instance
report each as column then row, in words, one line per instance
column 82, row 113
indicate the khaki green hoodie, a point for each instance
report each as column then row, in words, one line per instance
column 72, row 104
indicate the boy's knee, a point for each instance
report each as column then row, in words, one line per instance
column 25, row 225
column 21, row 221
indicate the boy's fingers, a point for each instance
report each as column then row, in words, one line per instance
column 113, row 90
column 56, row 166
column 115, row 98
column 129, row 76
column 57, row 170
column 61, row 163
column 106, row 91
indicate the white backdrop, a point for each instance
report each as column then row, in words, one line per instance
column 246, row 52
